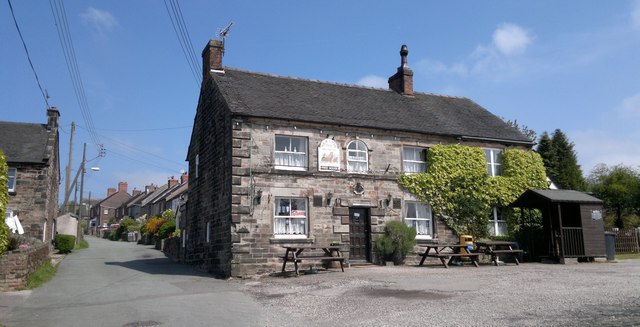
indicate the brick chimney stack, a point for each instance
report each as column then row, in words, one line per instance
column 111, row 191
column 122, row 187
column 149, row 189
column 212, row 58
column 172, row 182
column 184, row 178
column 135, row 192
column 402, row 80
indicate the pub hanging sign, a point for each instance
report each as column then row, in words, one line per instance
column 328, row 156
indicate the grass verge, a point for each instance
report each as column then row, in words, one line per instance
column 627, row 256
column 41, row 276
column 82, row 245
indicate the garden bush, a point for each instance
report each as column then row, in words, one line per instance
column 166, row 229
column 397, row 241
column 65, row 243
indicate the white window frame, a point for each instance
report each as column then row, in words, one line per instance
column 197, row 164
column 105, row 212
column 208, row 237
column 359, row 145
column 413, row 222
column 410, row 161
column 497, row 224
column 12, row 181
column 494, row 161
column 284, row 217
column 291, row 153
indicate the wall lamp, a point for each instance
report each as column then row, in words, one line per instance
column 387, row 201
column 329, row 197
column 258, row 198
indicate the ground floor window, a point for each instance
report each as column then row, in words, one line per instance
column 497, row 224
column 291, row 217
column 418, row 215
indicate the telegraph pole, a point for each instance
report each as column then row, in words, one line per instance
column 67, row 179
column 84, row 152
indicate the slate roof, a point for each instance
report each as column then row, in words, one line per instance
column 536, row 198
column 268, row 96
column 24, row 142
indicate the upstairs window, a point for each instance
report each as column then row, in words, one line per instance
column 418, row 215
column 12, row 180
column 357, row 157
column 414, row 160
column 291, row 217
column 494, row 161
column 291, row 153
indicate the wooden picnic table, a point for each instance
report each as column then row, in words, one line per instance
column 455, row 251
column 294, row 254
column 494, row 248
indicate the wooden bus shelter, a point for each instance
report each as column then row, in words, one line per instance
column 572, row 225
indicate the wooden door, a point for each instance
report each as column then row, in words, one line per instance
column 359, row 234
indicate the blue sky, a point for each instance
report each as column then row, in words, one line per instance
column 547, row 64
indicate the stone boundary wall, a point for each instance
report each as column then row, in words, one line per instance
column 16, row 266
column 172, row 248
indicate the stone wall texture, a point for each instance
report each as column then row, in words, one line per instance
column 16, row 266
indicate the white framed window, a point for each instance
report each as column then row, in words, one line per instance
column 414, row 159
column 418, row 215
column 357, row 157
column 106, row 211
column 494, row 161
column 291, row 218
column 208, row 231
column 497, row 224
column 184, row 237
column 197, row 164
column 291, row 152
column 13, row 172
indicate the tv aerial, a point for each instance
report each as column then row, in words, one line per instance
column 224, row 31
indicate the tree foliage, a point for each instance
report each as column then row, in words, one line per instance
column 461, row 192
column 397, row 241
column 560, row 161
column 4, row 199
column 619, row 188
column 524, row 129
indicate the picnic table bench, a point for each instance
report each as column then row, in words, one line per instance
column 293, row 254
column 494, row 248
column 457, row 251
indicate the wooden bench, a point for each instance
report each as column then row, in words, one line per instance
column 443, row 256
column 293, row 254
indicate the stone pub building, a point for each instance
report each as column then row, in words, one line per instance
column 278, row 160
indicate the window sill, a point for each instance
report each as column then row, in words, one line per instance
column 291, row 168
column 288, row 240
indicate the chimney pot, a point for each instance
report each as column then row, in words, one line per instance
column 402, row 80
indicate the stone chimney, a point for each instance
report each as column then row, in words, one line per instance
column 184, row 178
column 172, row 182
column 149, row 189
column 52, row 118
column 111, row 191
column 122, row 187
column 135, row 192
column 212, row 58
column 402, row 80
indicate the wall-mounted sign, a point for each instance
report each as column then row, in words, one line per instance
column 596, row 214
column 328, row 156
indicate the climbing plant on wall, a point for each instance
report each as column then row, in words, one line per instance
column 460, row 191
column 4, row 199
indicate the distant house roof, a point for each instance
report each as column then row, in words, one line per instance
column 24, row 142
column 538, row 198
column 115, row 200
column 134, row 199
column 154, row 195
column 176, row 191
column 268, row 96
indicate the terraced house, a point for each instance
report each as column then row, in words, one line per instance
column 278, row 160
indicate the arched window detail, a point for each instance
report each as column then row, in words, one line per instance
column 357, row 157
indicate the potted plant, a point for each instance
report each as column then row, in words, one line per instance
column 398, row 239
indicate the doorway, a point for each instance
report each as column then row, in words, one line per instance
column 359, row 234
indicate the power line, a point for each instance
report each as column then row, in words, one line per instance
column 66, row 42
column 24, row 44
column 180, row 28
column 145, row 130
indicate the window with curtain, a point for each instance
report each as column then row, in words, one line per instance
column 494, row 161
column 497, row 224
column 291, row 153
column 291, row 217
column 357, row 157
column 12, row 179
column 418, row 215
column 414, row 159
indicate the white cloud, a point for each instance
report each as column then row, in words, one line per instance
column 635, row 14
column 373, row 81
column 630, row 107
column 511, row 39
column 101, row 20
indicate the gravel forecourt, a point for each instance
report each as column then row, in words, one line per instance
column 532, row 294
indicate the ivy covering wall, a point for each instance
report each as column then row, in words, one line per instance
column 4, row 199
column 460, row 191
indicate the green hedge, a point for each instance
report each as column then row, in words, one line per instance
column 397, row 241
column 167, row 229
column 65, row 243
column 4, row 198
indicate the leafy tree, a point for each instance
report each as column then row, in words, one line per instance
column 524, row 129
column 560, row 161
column 619, row 188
